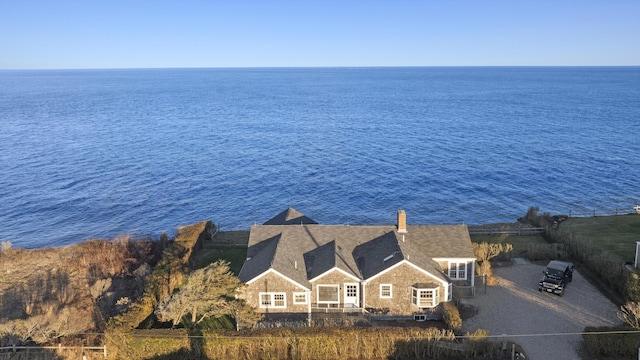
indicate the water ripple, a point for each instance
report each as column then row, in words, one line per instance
column 98, row 153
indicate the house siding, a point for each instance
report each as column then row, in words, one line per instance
column 444, row 265
column 333, row 277
column 402, row 278
column 271, row 282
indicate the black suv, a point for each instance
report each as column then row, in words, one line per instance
column 556, row 276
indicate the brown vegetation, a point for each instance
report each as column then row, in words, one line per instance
column 485, row 252
column 63, row 293
column 299, row 343
column 56, row 292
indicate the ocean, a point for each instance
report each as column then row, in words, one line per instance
column 98, row 153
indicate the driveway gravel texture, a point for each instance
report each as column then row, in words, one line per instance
column 547, row 326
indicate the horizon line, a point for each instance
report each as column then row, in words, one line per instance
column 318, row 67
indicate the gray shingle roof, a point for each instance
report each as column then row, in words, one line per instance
column 290, row 217
column 303, row 252
column 259, row 258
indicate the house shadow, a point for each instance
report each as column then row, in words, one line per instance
column 196, row 350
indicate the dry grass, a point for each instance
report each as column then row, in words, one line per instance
column 520, row 243
column 47, row 293
column 298, row 343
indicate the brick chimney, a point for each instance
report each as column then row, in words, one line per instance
column 402, row 221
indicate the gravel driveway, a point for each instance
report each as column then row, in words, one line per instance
column 547, row 326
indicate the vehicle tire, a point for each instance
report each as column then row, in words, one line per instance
column 561, row 293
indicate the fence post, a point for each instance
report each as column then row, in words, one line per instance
column 105, row 351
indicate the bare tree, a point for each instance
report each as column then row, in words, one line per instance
column 208, row 292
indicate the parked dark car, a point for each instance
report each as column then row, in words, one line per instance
column 557, row 275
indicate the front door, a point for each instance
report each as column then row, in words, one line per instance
column 351, row 295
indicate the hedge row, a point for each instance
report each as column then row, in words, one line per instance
column 611, row 342
column 303, row 344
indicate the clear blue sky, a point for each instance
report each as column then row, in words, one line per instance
column 236, row 33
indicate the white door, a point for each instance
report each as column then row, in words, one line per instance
column 351, row 295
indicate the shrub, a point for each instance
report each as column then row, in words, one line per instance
column 478, row 343
column 451, row 316
column 630, row 313
column 484, row 252
column 610, row 342
column 487, row 251
column 5, row 245
column 546, row 251
column 485, row 269
column 632, row 287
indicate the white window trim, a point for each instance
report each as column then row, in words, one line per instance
column 331, row 301
column 272, row 296
column 450, row 292
column 295, row 300
column 418, row 302
column 454, row 270
column 382, row 296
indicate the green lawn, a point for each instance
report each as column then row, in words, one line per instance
column 615, row 234
column 234, row 255
column 519, row 242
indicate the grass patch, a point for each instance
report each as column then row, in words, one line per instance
column 614, row 234
column 234, row 255
column 519, row 242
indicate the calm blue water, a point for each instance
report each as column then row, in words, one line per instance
column 96, row 153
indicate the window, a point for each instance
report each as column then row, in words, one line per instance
column 450, row 292
column 424, row 297
column 420, row 317
column 458, row 270
column 279, row 300
column 328, row 294
column 273, row 300
column 385, row 291
column 299, row 297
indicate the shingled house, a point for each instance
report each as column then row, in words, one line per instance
column 296, row 266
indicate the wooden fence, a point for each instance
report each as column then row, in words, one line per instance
column 605, row 212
